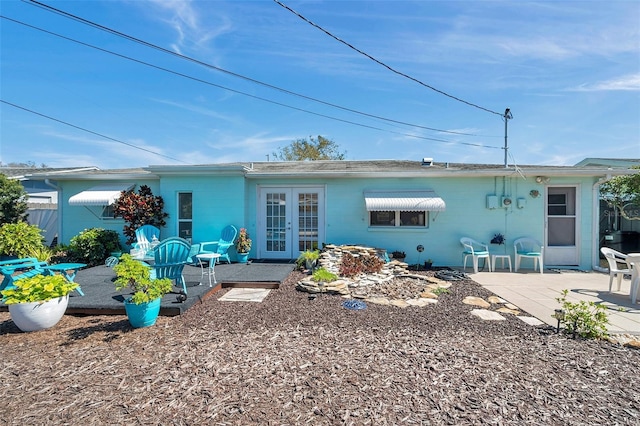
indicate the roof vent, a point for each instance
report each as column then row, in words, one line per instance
column 426, row 161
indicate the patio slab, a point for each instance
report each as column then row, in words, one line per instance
column 536, row 294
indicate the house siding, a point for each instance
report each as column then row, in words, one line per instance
column 223, row 198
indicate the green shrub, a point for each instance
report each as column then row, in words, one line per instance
column 38, row 289
column 133, row 274
column 92, row 246
column 586, row 319
column 322, row 275
column 20, row 239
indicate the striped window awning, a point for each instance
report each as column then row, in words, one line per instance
column 101, row 195
column 403, row 200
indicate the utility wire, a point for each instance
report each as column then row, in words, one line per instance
column 213, row 67
column 382, row 63
column 88, row 131
column 244, row 93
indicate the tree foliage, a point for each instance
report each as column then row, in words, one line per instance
column 622, row 191
column 13, row 201
column 312, row 149
column 140, row 209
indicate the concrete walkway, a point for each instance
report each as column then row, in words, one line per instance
column 536, row 294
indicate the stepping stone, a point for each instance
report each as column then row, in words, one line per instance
column 508, row 311
column 378, row 301
column 511, row 306
column 400, row 303
column 487, row 315
column 428, row 295
column 497, row 300
column 476, row 301
column 421, row 302
column 531, row 320
column 245, row 295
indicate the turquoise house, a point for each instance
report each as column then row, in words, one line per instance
column 288, row 207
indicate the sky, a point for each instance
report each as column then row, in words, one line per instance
column 133, row 83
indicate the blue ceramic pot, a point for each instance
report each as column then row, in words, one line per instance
column 144, row 314
column 243, row 257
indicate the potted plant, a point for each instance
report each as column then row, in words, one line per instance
column 498, row 239
column 309, row 258
column 399, row 255
column 243, row 245
column 143, row 306
column 38, row 302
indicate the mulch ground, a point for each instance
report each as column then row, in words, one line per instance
column 292, row 361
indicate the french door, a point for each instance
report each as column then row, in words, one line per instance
column 562, row 222
column 290, row 220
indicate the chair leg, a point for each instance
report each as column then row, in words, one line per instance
column 634, row 289
column 517, row 263
column 619, row 276
column 475, row 265
column 611, row 282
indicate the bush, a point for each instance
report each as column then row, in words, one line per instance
column 92, row 246
column 322, row 275
column 586, row 319
column 139, row 209
column 13, row 201
column 20, row 239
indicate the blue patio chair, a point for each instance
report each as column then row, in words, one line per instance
column 227, row 238
column 144, row 236
column 170, row 256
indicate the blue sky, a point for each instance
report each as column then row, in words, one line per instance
column 568, row 70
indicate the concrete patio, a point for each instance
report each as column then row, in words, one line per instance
column 536, row 294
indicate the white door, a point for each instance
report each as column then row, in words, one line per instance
column 290, row 220
column 561, row 246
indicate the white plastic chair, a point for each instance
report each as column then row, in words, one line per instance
column 477, row 251
column 618, row 265
column 529, row 248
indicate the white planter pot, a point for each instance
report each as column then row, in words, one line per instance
column 36, row 316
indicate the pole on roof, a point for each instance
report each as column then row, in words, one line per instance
column 507, row 116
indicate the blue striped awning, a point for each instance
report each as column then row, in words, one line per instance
column 403, row 200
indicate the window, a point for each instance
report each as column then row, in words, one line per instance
column 185, row 216
column 107, row 212
column 399, row 218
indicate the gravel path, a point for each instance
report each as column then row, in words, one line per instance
column 293, row 361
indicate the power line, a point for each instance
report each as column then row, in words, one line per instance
column 88, row 131
column 244, row 93
column 382, row 63
column 213, row 67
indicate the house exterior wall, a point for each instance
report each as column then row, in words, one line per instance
column 220, row 200
column 75, row 219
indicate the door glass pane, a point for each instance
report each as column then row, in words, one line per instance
column 276, row 222
column 562, row 231
column 307, row 221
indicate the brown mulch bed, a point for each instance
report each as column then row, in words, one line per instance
column 290, row 360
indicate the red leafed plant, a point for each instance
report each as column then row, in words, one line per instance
column 139, row 209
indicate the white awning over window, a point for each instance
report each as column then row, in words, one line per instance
column 101, row 195
column 403, row 200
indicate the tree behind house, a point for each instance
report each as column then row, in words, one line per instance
column 312, row 149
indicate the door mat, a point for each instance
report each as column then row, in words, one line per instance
column 245, row 295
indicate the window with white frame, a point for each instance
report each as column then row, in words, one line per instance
column 185, row 215
column 399, row 218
